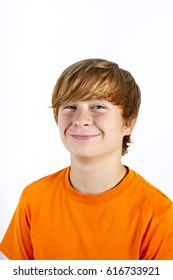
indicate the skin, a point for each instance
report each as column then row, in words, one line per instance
column 93, row 132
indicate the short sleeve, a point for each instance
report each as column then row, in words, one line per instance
column 16, row 244
column 158, row 242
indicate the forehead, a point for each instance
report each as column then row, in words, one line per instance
column 88, row 96
column 93, row 99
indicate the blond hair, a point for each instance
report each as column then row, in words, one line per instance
column 102, row 79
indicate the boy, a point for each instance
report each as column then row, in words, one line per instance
column 96, row 208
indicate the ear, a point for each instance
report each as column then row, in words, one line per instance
column 129, row 125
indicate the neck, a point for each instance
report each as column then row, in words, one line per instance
column 94, row 177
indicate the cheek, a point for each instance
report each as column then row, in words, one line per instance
column 61, row 123
column 63, row 120
column 64, row 123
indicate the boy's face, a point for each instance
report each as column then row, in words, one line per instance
column 92, row 128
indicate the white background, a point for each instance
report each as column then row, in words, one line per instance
column 38, row 39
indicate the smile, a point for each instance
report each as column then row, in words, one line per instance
column 83, row 137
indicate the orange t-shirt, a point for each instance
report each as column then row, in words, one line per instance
column 132, row 221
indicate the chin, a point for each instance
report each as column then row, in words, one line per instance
column 83, row 154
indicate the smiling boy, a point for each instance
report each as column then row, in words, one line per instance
column 96, row 208
column 93, row 132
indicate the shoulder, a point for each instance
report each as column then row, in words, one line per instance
column 149, row 188
column 150, row 196
column 44, row 187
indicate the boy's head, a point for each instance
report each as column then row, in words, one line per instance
column 102, row 79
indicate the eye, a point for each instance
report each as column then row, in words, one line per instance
column 98, row 107
column 69, row 107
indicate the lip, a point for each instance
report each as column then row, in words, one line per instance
column 83, row 137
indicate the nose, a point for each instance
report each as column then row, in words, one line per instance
column 82, row 118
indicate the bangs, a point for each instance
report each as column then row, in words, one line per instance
column 96, row 84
